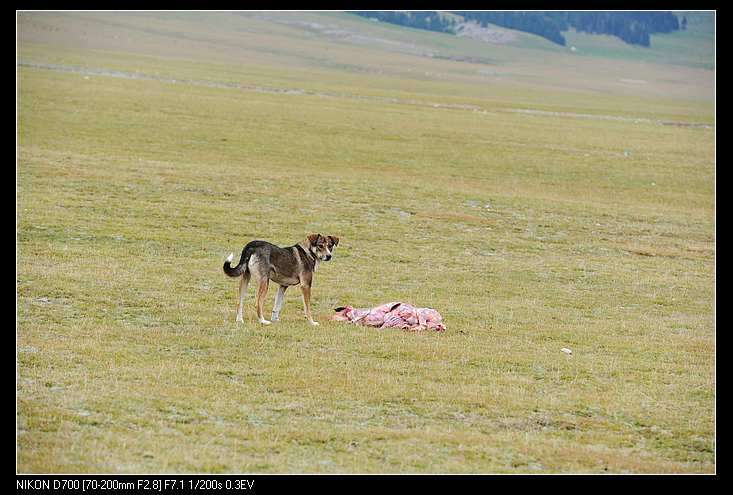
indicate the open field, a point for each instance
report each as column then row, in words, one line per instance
column 534, row 210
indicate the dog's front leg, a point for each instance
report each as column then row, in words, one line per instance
column 279, row 298
column 307, row 304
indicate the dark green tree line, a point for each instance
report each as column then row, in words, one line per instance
column 632, row 27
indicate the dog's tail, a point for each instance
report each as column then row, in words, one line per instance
column 240, row 268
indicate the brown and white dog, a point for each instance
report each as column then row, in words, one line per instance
column 286, row 266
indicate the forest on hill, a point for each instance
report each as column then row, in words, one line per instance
column 632, row 27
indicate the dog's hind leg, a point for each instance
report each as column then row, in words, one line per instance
column 243, row 284
column 279, row 298
column 264, row 282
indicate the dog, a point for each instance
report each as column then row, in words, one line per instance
column 288, row 266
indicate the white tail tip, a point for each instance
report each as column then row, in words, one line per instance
column 230, row 257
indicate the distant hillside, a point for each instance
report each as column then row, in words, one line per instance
column 430, row 20
column 632, row 27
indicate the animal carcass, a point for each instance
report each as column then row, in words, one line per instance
column 392, row 315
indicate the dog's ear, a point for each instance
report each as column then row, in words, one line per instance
column 334, row 239
column 313, row 238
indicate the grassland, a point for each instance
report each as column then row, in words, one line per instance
column 529, row 232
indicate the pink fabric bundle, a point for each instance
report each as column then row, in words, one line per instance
column 392, row 315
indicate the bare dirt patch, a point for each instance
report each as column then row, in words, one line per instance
column 489, row 34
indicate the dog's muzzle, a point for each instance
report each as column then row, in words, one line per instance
column 327, row 257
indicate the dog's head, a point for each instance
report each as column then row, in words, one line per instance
column 342, row 313
column 322, row 245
